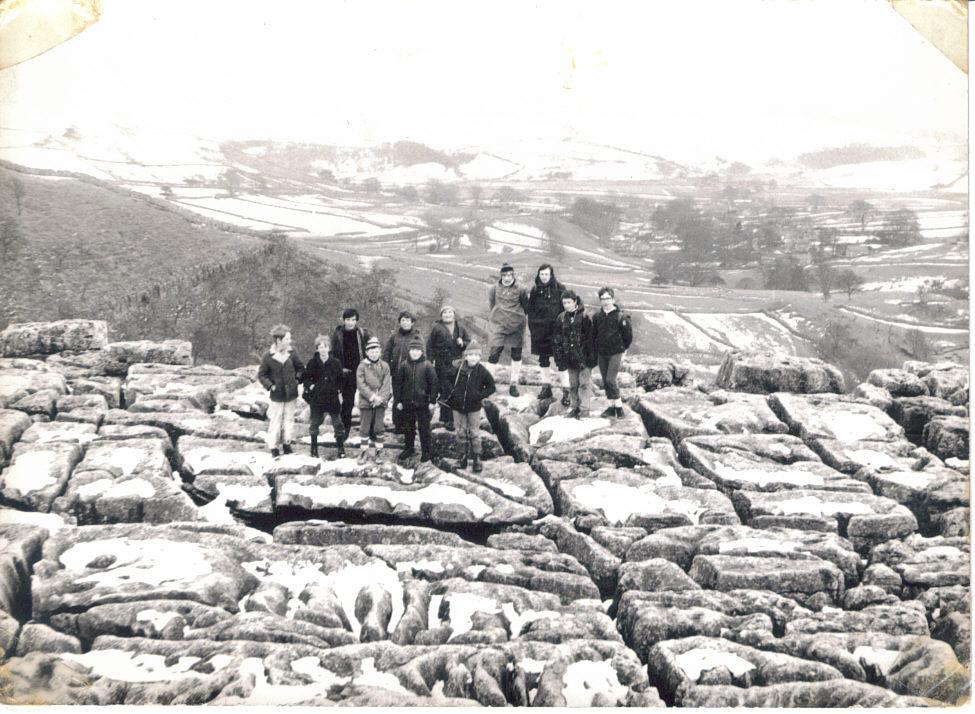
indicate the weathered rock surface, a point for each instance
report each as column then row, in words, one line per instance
column 765, row 373
column 763, row 462
column 604, row 545
column 680, row 666
column 914, row 413
column 863, row 518
column 682, row 545
column 38, row 473
column 428, row 493
column 678, row 412
column 898, row 382
column 631, row 500
column 947, row 437
column 831, row 417
column 31, row 338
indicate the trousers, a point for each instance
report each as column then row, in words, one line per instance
column 281, row 423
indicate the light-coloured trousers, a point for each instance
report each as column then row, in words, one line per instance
column 468, row 428
column 281, row 423
column 580, row 387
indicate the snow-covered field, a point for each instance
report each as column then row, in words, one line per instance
column 747, row 331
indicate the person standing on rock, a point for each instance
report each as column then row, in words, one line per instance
column 375, row 384
column 445, row 346
column 613, row 333
column 279, row 372
column 543, row 307
column 507, row 322
column 414, row 394
column 348, row 346
column 394, row 354
column 323, row 380
column 471, row 383
column 575, row 352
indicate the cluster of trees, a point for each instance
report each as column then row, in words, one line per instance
column 228, row 317
column 600, row 218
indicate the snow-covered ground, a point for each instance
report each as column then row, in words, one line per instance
column 747, row 331
column 684, row 334
column 901, row 285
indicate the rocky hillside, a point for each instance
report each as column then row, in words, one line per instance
column 759, row 538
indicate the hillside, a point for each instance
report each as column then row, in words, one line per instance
column 756, row 537
column 81, row 245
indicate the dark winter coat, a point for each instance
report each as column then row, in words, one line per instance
column 544, row 305
column 281, row 379
column 338, row 350
column 574, row 345
column 469, row 387
column 395, row 352
column 613, row 332
column 416, row 383
column 442, row 347
column 323, row 381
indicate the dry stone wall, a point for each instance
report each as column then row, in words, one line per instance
column 759, row 539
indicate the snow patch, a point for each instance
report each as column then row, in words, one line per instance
column 108, row 488
column 508, row 489
column 883, row 659
column 695, row 662
column 618, row 502
column 157, row 618
column 31, row 471
column 123, row 666
column 564, row 429
column 758, row 545
column 347, row 495
column 583, row 680
column 761, row 477
column 152, row 561
column 430, row 566
column 814, row 506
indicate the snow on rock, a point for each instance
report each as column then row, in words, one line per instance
column 695, row 662
column 584, row 680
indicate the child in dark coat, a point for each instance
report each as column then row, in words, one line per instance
column 415, row 393
column 472, row 383
column 323, row 381
column 279, row 372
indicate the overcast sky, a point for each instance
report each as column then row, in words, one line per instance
column 740, row 78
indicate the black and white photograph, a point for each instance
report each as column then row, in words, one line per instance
column 453, row 353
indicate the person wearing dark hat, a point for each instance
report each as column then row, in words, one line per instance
column 375, row 386
column 445, row 346
column 507, row 322
column 279, row 372
column 471, row 384
column 544, row 306
column 394, row 353
column 348, row 347
column 322, row 380
column 613, row 334
column 415, row 394
column 575, row 352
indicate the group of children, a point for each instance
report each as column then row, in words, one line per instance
column 446, row 372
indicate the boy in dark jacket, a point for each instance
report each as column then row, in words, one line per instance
column 544, row 306
column 323, row 380
column 415, row 393
column 348, row 346
column 394, row 353
column 279, row 373
column 445, row 345
column 575, row 352
column 613, row 335
column 471, row 383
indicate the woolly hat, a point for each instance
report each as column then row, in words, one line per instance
column 415, row 344
column 446, row 307
column 506, row 268
column 373, row 342
column 406, row 313
column 473, row 347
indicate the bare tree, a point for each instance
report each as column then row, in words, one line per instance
column 476, row 191
column 861, row 211
column 849, row 282
column 17, row 189
column 231, row 182
column 11, row 240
